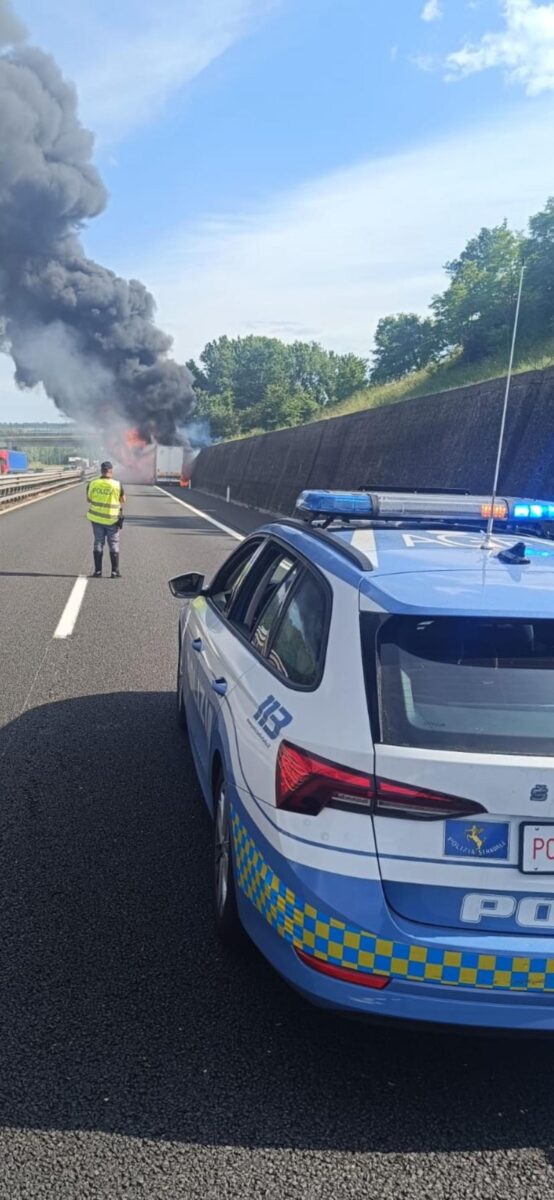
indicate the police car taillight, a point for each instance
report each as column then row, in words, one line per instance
column 401, row 800
column 306, row 783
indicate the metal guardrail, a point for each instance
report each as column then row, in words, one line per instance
column 15, row 488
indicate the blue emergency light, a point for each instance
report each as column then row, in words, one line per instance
column 399, row 506
column 338, row 504
column 531, row 510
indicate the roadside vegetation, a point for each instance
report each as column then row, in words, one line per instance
column 254, row 384
column 452, row 372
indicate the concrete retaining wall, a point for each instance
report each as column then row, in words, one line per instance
column 444, row 440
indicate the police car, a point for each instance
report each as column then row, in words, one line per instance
column 369, row 698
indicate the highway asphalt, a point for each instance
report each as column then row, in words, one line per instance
column 137, row 1059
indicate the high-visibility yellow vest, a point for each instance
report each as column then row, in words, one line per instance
column 104, row 497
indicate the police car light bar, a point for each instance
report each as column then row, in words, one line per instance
column 532, row 510
column 401, row 506
column 338, row 504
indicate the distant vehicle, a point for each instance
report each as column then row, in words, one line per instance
column 169, row 464
column 369, row 701
column 78, row 464
column 13, row 462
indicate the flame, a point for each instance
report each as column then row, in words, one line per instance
column 127, row 447
column 134, row 439
column 132, row 454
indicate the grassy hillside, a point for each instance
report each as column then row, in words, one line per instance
column 451, row 373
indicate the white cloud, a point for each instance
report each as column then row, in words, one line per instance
column 128, row 59
column 524, row 48
column 328, row 259
column 432, row 11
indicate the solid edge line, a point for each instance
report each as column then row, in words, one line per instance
column 66, row 623
column 35, row 499
column 198, row 513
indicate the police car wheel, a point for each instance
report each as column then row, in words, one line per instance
column 226, row 913
column 181, row 711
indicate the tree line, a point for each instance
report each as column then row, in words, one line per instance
column 473, row 316
column 255, row 382
column 244, row 384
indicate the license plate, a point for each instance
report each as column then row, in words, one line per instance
column 537, row 850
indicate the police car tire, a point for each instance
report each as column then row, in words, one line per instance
column 181, row 711
column 228, row 923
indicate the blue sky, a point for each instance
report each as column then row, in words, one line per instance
column 301, row 167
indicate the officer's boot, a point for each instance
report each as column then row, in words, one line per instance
column 115, row 565
column 97, row 554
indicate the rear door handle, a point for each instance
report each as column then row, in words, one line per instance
column 197, row 644
column 220, row 686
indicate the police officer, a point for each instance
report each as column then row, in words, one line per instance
column 106, row 498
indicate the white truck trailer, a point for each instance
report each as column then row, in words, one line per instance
column 169, row 464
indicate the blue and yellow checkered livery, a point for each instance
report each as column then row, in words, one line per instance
column 333, row 941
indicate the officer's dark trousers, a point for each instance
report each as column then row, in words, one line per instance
column 103, row 533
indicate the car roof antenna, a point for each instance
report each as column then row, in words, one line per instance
column 487, row 544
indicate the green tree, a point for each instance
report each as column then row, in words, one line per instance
column 219, row 411
column 260, row 363
column 311, row 369
column 199, row 379
column 403, row 343
column 538, row 305
column 282, row 407
column 238, row 380
column 350, row 375
column 215, row 373
column 476, row 310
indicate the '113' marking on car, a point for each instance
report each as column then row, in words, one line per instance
column 272, row 717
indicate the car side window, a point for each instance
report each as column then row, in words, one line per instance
column 270, row 599
column 232, row 574
column 297, row 648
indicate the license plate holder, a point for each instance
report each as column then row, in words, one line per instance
column 536, row 848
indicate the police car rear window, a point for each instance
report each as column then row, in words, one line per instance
column 467, row 684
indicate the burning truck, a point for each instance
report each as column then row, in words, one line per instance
column 137, row 461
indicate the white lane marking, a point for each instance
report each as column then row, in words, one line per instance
column 35, row 499
column 239, row 537
column 66, row 623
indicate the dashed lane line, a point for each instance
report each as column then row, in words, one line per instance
column 66, row 623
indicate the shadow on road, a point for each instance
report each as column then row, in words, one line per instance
column 237, row 516
column 189, row 525
column 119, row 1011
column 39, row 574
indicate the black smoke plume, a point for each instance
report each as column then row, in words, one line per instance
column 88, row 335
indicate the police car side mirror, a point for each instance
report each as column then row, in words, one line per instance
column 186, row 587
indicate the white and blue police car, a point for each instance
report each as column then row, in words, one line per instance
column 369, row 698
